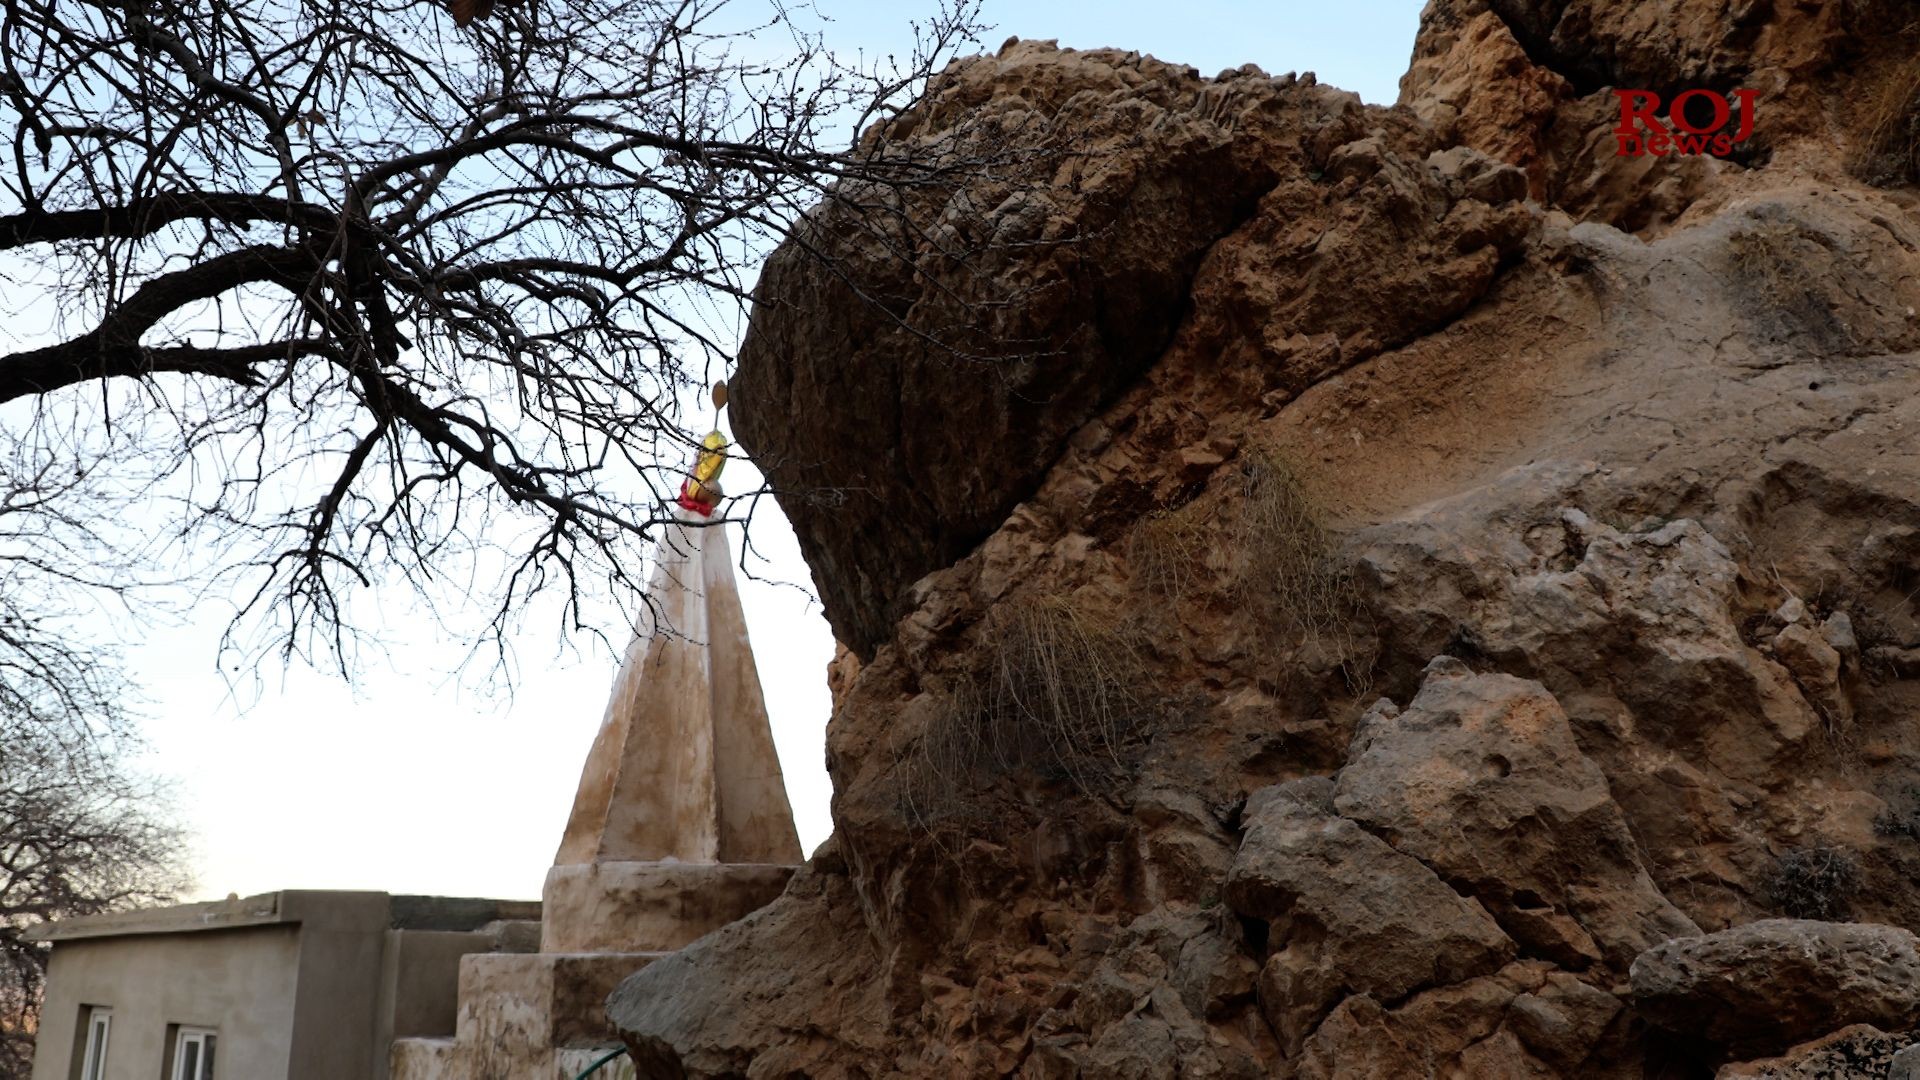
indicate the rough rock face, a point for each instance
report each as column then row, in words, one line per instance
column 721, row 1027
column 1858, row 1051
column 1772, row 983
column 1530, row 82
column 1347, row 913
column 1440, row 594
column 1481, row 779
column 941, row 406
column 960, row 417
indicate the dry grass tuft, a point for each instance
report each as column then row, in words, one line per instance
column 1890, row 151
column 1285, row 574
column 1783, row 268
column 1285, row 548
column 1901, row 818
column 1063, row 692
column 1167, row 551
column 1289, row 573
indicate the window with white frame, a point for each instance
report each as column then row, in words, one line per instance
column 193, row 1054
column 98, row 1022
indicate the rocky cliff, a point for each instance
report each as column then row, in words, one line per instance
column 1341, row 591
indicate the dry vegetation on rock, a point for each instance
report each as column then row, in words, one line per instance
column 1063, row 691
column 1889, row 153
column 1290, row 578
column 1263, row 550
column 1816, row 882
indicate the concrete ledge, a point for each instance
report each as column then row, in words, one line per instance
column 457, row 912
column 421, row 1059
column 324, row 909
column 262, row 910
column 539, row 1000
column 650, row 906
column 348, row 911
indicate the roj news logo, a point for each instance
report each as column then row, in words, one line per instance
column 1697, row 122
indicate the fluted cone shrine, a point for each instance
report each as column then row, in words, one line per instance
column 680, row 826
column 681, row 822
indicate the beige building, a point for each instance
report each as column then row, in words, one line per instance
column 294, row 985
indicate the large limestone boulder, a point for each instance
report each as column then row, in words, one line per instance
column 726, row 1019
column 903, row 411
column 1480, row 778
column 1769, row 984
column 903, row 416
column 1349, row 914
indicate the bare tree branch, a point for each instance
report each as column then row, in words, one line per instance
column 408, row 301
column 81, row 832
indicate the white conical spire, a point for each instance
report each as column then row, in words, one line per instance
column 683, row 768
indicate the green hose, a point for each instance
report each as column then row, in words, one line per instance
column 595, row 1067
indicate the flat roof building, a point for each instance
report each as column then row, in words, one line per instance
column 295, row 985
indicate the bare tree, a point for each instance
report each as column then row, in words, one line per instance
column 80, row 834
column 363, row 298
column 304, row 298
column 81, row 830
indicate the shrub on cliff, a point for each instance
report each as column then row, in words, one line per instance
column 1890, row 153
column 1063, row 691
column 1814, row 883
column 1286, row 575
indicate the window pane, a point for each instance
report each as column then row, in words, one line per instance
column 206, row 1066
column 189, row 1059
column 94, row 1063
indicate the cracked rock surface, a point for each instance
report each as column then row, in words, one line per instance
column 1336, row 591
column 1772, row 983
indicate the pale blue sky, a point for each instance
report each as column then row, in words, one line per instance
column 409, row 780
column 1358, row 45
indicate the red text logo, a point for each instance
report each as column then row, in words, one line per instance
column 1697, row 122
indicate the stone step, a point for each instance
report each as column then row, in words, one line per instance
column 541, row 999
column 649, row 906
column 424, row 1059
column 514, row 935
